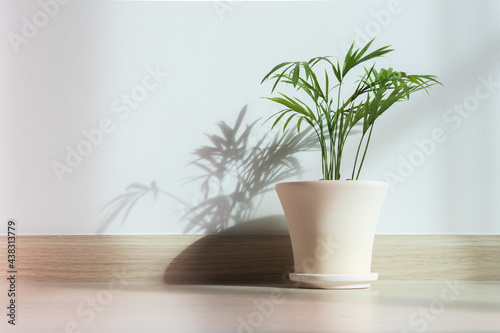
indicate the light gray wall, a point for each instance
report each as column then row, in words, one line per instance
column 194, row 69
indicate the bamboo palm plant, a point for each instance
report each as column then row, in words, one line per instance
column 329, row 113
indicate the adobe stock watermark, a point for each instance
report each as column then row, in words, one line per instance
column 265, row 309
column 419, row 320
column 121, row 107
column 30, row 26
column 87, row 310
column 381, row 19
column 452, row 118
column 224, row 7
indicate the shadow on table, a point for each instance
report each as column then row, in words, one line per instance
column 236, row 256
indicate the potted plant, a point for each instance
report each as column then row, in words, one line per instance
column 331, row 221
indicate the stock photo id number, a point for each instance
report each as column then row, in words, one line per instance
column 11, row 272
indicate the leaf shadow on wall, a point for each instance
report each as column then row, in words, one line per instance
column 235, row 170
column 236, row 173
column 125, row 203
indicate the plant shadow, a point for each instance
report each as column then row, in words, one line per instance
column 125, row 203
column 233, row 259
column 235, row 176
column 234, row 172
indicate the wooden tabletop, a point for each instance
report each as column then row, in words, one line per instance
column 120, row 306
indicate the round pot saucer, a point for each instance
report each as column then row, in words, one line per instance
column 334, row 281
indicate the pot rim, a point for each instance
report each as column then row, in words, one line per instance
column 322, row 182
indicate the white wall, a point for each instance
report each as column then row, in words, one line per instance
column 70, row 75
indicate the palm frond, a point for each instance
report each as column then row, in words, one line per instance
column 331, row 118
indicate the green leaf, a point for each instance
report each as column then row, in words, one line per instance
column 298, row 124
column 279, row 118
column 287, row 122
column 336, row 71
column 274, row 115
column 327, row 88
column 307, row 69
column 296, row 73
column 317, row 86
column 291, row 104
column 274, row 70
column 280, row 76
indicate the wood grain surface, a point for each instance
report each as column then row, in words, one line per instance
column 131, row 307
column 239, row 259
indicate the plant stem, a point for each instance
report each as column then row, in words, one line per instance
column 357, row 154
column 366, row 149
column 338, row 135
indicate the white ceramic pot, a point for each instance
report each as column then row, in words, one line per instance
column 332, row 226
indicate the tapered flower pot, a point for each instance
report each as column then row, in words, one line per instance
column 332, row 227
